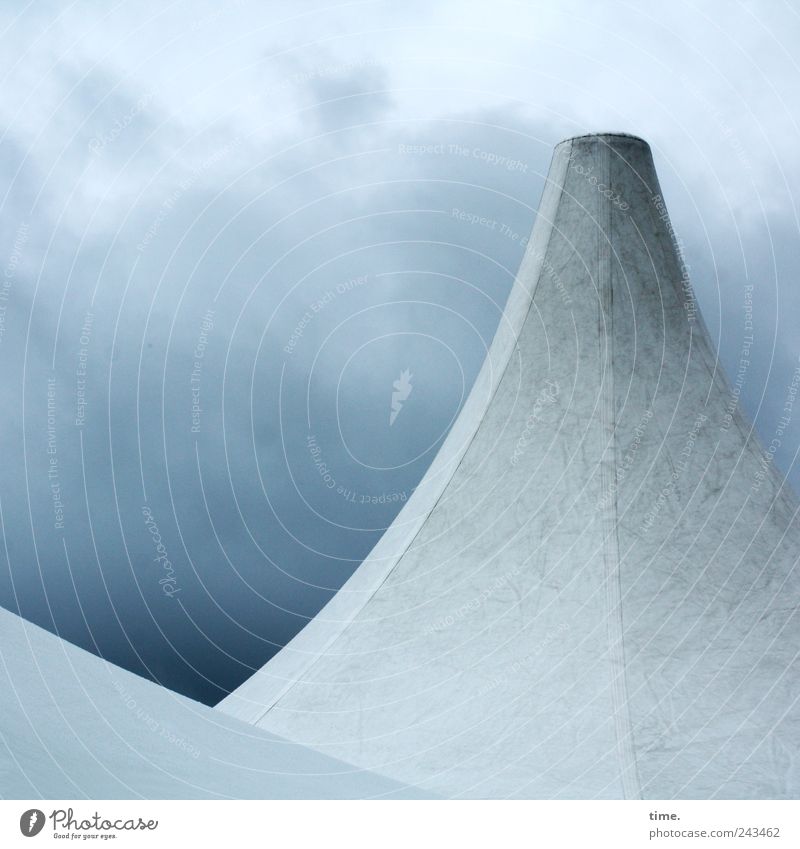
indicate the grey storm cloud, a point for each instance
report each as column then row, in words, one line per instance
column 227, row 233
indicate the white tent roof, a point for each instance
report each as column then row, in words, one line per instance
column 73, row 726
column 593, row 592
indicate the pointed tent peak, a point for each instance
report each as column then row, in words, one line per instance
column 609, row 175
column 626, row 526
column 620, row 164
column 605, row 138
column 621, row 142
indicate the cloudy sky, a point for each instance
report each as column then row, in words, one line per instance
column 229, row 229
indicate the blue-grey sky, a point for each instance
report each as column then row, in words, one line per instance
column 229, row 229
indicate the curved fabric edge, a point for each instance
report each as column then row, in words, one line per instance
column 250, row 701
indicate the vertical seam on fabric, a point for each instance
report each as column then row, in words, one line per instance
column 613, row 588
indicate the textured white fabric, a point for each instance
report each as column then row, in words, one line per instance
column 73, row 726
column 593, row 592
